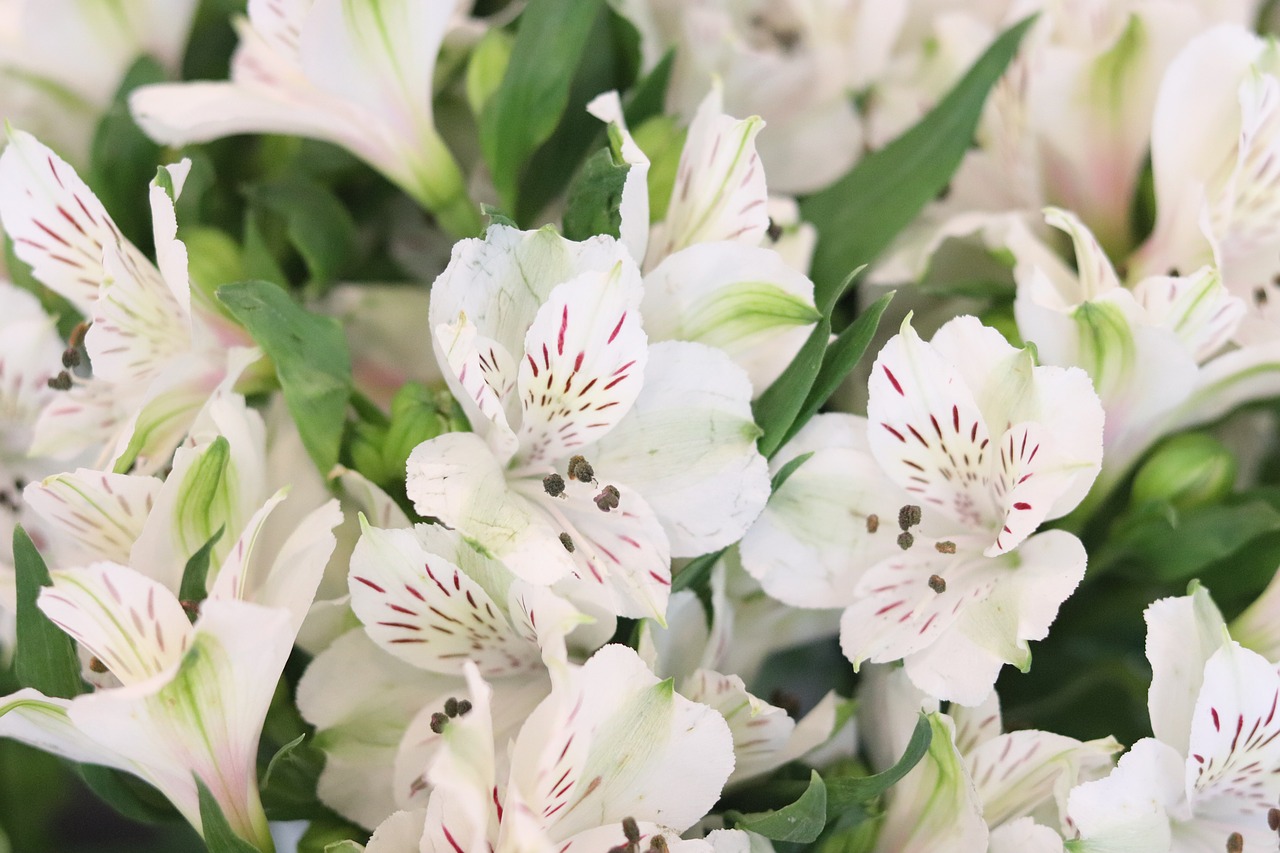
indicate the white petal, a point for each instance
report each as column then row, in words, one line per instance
column 93, row 515
column 1196, row 307
column 1024, row 835
column 742, row 299
column 760, row 730
column 399, row 833
column 41, row 721
column 485, row 373
column 425, row 610
column 634, row 206
column 1129, row 810
column 688, row 447
column 814, row 539
column 583, row 366
column 1182, row 634
column 133, row 625
column 376, row 504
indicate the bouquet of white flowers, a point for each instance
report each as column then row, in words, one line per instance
column 534, row 426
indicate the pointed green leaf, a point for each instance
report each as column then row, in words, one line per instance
column 45, row 657
column 289, row 785
column 195, row 577
column 122, row 159
column 218, row 836
column 846, row 792
column 533, row 94
column 801, row 821
column 649, row 96
column 311, row 359
column 776, row 409
column 595, row 197
column 317, row 224
column 859, row 215
column 785, row 472
column 128, row 795
column 695, row 570
column 842, row 355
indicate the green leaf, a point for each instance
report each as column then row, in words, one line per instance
column 45, row 657
column 289, row 785
column 218, row 836
column 695, row 570
column 842, row 355
column 859, row 215
column 316, row 222
column 311, row 359
column 525, row 109
column 777, row 408
column 1166, row 545
column 128, row 795
column 331, row 835
column 595, row 197
column 649, row 97
column 848, row 791
column 785, row 472
column 195, row 577
column 801, row 821
column 123, row 159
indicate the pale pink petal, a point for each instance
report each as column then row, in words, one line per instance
column 93, row 515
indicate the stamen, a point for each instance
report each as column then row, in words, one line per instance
column 580, row 469
column 608, row 498
column 946, row 546
column 938, row 584
column 77, row 334
column 554, row 485
column 873, row 523
column 1235, row 843
column 97, row 666
column 464, row 705
column 905, row 540
column 438, row 722
column 774, row 231
column 631, row 830
column 70, row 358
column 451, row 706
column 1273, row 819
column 567, row 541
column 61, row 382
column 658, row 844
column 909, row 516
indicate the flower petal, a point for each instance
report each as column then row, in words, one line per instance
column 485, row 373
column 92, row 515
column 1182, row 634
column 633, row 208
column 1129, row 810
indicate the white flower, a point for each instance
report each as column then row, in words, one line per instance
column 61, row 61
column 358, row 75
column 1213, row 767
column 1159, row 353
column 158, row 349
column 542, row 344
column 709, row 275
column 988, row 446
column 610, row 742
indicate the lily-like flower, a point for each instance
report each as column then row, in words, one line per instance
column 192, row 699
column 1216, row 133
column 158, row 348
column 710, row 274
column 595, row 454
column 611, row 742
column 357, row 75
column 1159, row 353
column 977, row 788
column 920, row 519
column 61, row 61
column 1213, row 767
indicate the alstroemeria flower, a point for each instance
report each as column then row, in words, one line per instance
column 193, row 698
column 977, row 788
column 158, row 348
column 358, row 75
column 1159, row 353
column 61, row 61
column 1213, row 767
column 710, row 274
column 595, row 454
column 610, row 742
column 987, row 446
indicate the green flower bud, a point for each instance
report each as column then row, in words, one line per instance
column 1189, row 470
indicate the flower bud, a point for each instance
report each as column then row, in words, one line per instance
column 1186, row 471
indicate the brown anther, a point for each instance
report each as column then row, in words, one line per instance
column 909, row 516
column 567, row 541
column 905, row 540
column 631, row 830
column 438, row 722
column 464, row 705
column 938, row 584
column 658, row 844
column 70, row 358
column 61, row 382
column 451, row 707
column 553, row 484
column 774, row 231
column 1235, row 843
column 580, row 469
column 608, row 498
column 873, row 523
column 1273, row 819
column 97, row 666
column 946, row 546
column 1260, row 296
